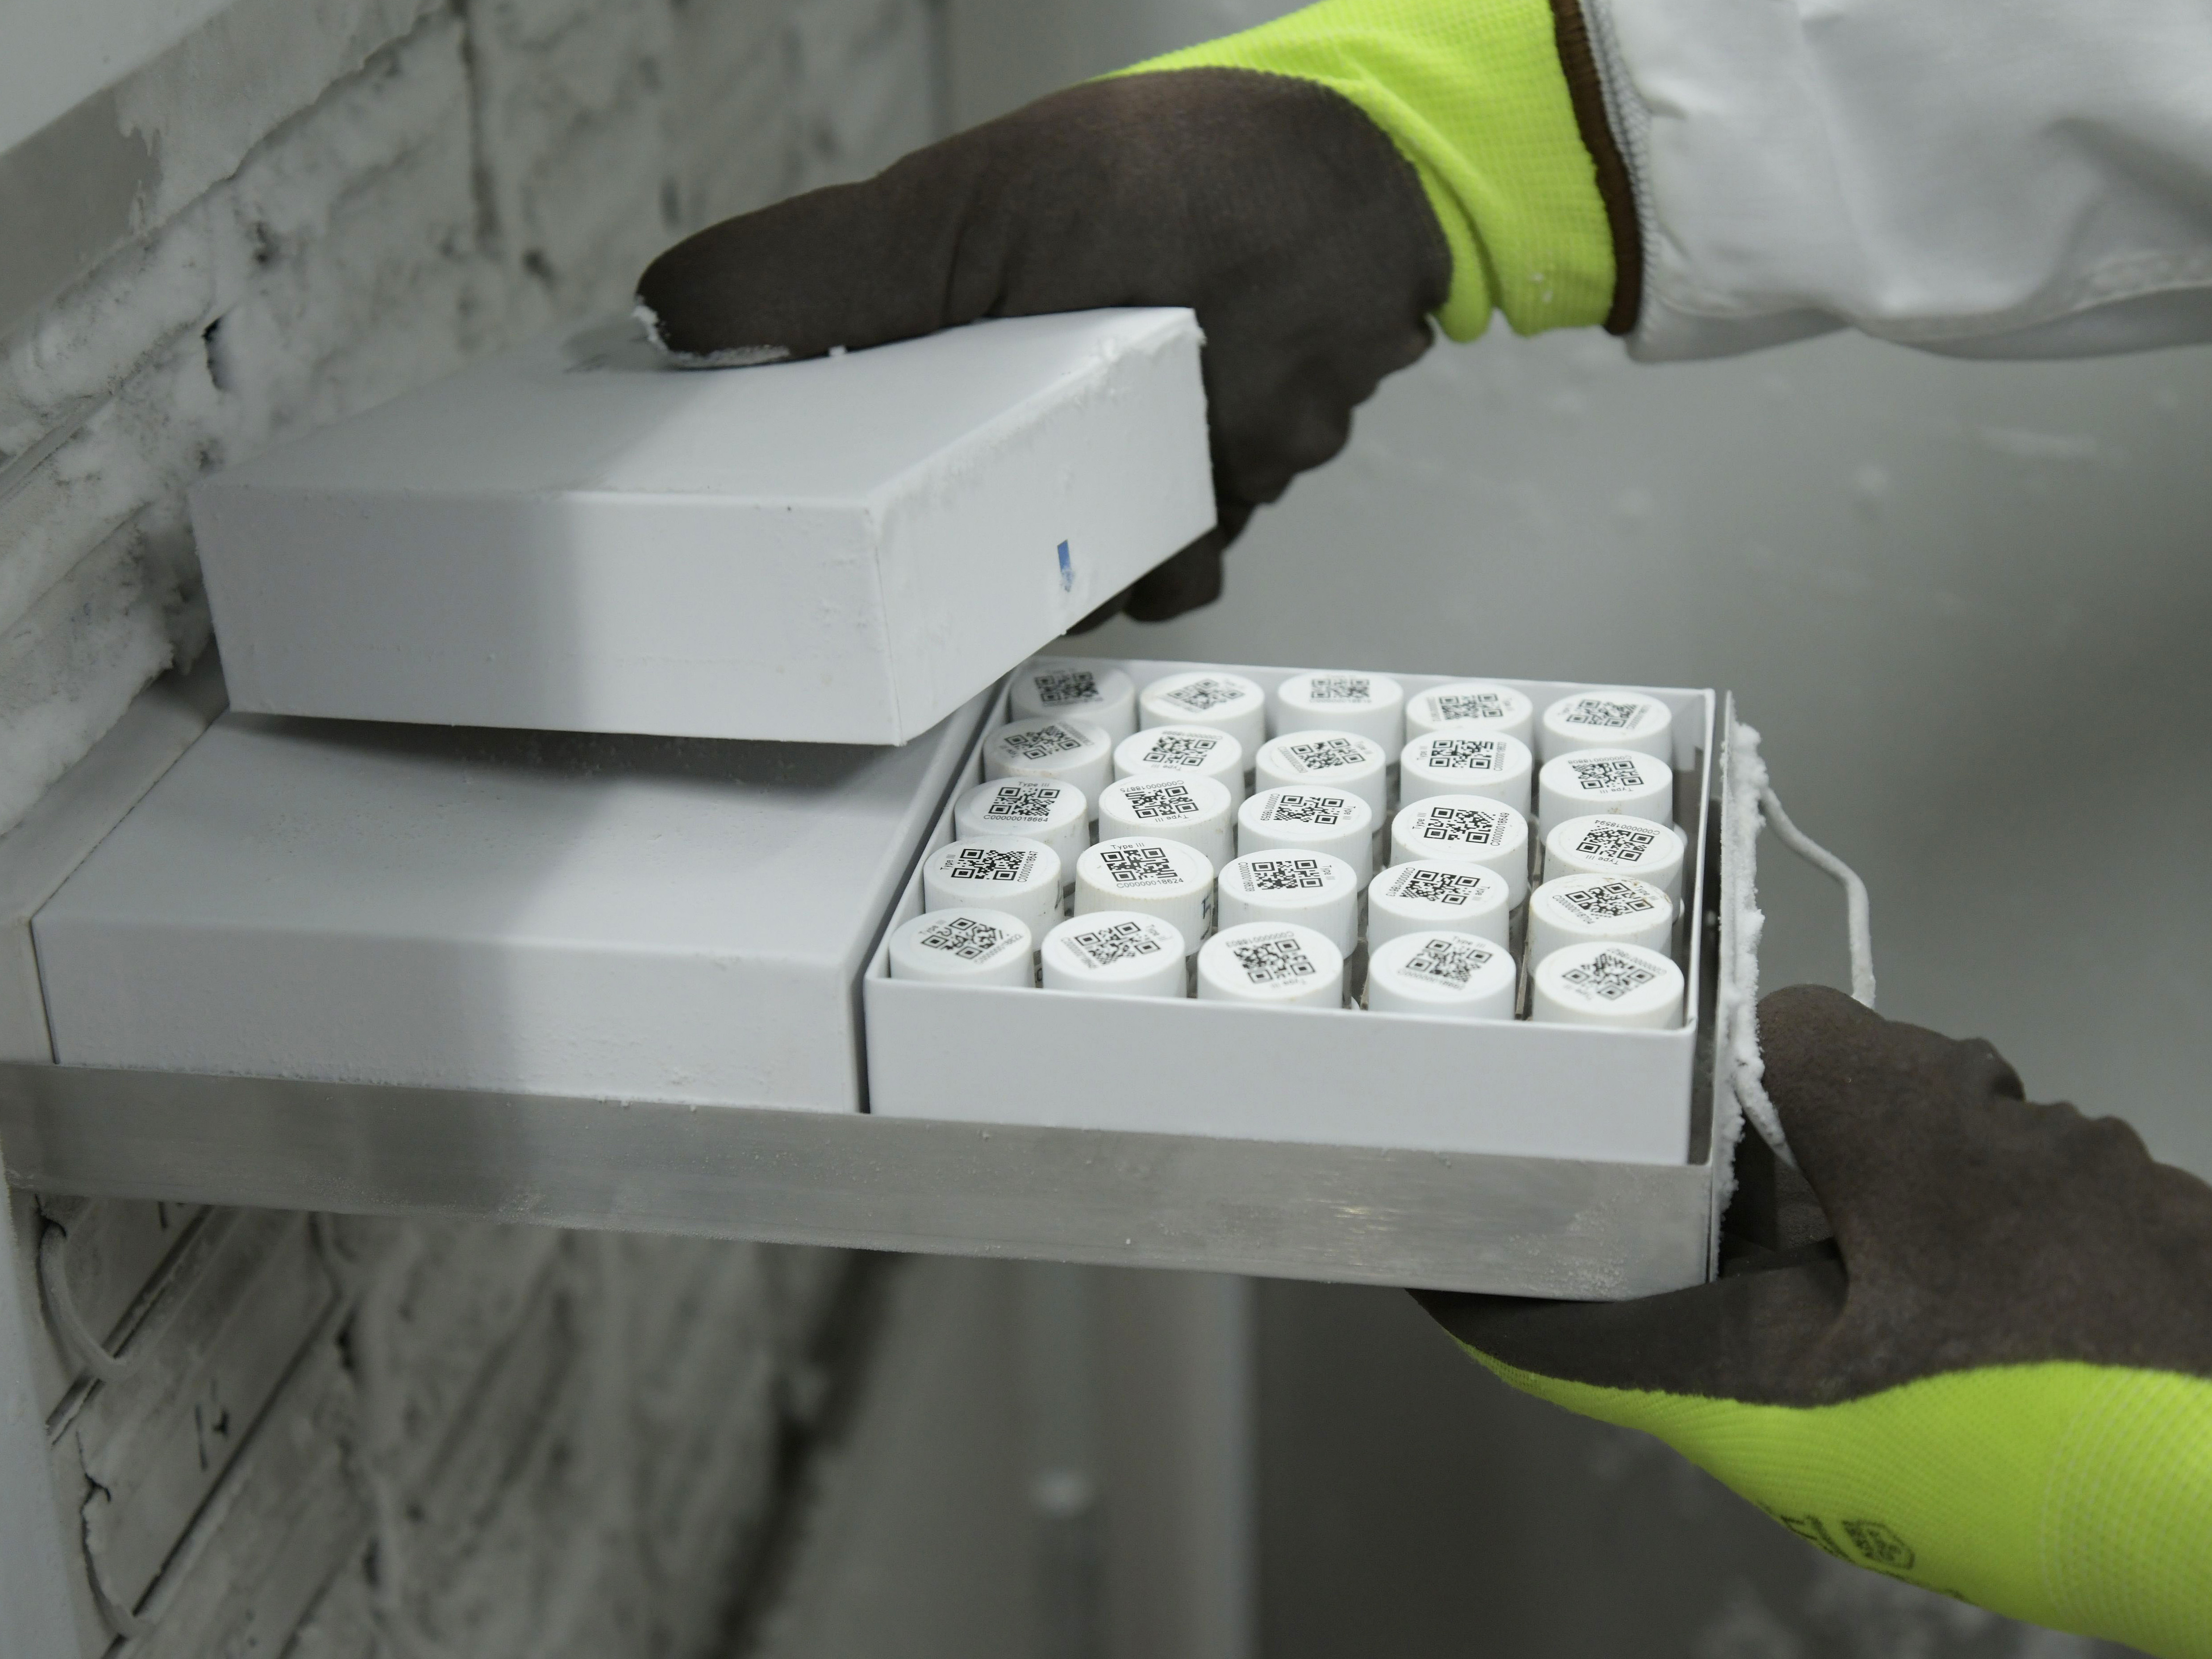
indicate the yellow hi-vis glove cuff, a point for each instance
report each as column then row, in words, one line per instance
column 1473, row 93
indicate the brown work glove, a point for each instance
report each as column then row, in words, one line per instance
column 1995, row 1379
column 1270, row 206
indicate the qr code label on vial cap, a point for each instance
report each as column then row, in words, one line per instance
column 1116, row 941
column 1608, row 976
column 1180, row 749
column 1603, row 715
column 1274, row 959
column 1143, row 865
column 1615, row 843
column 1200, row 695
column 1324, row 754
column 991, row 864
column 1159, row 801
column 1463, row 826
column 1288, row 806
column 1457, row 888
column 1468, row 706
column 1027, row 803
column 1284, row 873
column 1606, row 777
column 1339, row 688
column 1057, row 687
column 1467, row 754
column 1608, row 901
column 1451, row 962
column 1042, row 743
column 965, row 937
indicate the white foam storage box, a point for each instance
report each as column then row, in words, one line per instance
column 613, row 917
column 1343, row 1078
column 576, row 536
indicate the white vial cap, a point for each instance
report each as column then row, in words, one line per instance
column 1152, row 876
column 1071, row 750
column 1467, row 763
column 1372, row 705
column 1604, row 909
column 1040, row 809
column 1179, row 750
column 1208, row 696
column 1049, row 687
column 1606, row 985
column 1616, row 844
column 1332, row 760
column 1310, row 821
column 1432, row 970
column 1465, row 830
column 1475, row 705
column 964, row 947
column 1116, row 953
column 995, row 872
column 1271, row 961
column 1195, row 811
column 1598, row 781
column 1426, row 895
column 1609, row 717
column 1318, row 890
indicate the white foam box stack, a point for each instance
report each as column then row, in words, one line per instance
column 577, row 537
column 1344, row 1078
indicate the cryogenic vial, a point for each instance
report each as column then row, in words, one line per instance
column 1428, row 894
column 1318, row 890
column 1606, row 985
column 1497, row 711
column 1371, row 705
column 1049, row 687
column 1179, row 750
column 1616, row 844
column 1332, row 760
column 1598, row 909
column 1600, row 781
column 1310, row 821
column 1608, row 719
column 1465, row 830
column 964, row 946
column 1152, row 876
column 1433, row 970
column 1071, row 751
column 1271, row 961
column 996, row 873
column 1208, row 696
column 1040, row 809
column 1466, row 763
column 1195, row 810
column 1117, row 953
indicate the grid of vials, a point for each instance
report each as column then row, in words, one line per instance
column 1334, row 843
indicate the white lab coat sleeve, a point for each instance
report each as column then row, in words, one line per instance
column 1987, row 178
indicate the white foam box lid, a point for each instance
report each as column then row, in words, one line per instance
column 1333, row 1077
column 577, row 537
column 633, row 918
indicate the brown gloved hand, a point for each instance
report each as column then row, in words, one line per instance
column 1270, row 206
column 1994, row 1380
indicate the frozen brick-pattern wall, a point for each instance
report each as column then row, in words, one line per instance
column 276, row 1433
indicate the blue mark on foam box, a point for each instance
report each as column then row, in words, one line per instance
column 1067, row 571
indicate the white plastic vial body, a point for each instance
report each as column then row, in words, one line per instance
column 1609, row 717
column 1326, row 760
column 964, row 946
column 1463, row 830
column 1463, row 762
column 1208, row 696
column 1371, row 705
column 1181, row 751
column 1277, row 963
column 1426, row 896
column 1600, row 910
column 1066, row 750
column 1623, row 985
column 1497, row 711
column 1616, row 844
column 1432, row 970
column 1310, row 821
column 1151, row 876
column 1117, row 953
column 1197, row 812
column 1040, row 809
column 1318, row 890
column 1049, row 687
column 1592, row 782
column 996, row 873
